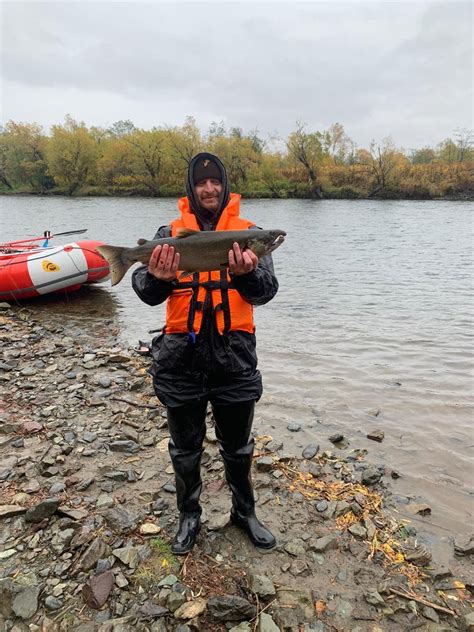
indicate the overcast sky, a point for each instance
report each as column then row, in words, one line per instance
column 379, row 68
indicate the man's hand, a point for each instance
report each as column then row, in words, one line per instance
column 241, row 261
column 164, row 263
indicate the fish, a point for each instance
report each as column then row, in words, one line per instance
column 200, row 250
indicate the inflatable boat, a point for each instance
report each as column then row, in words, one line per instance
column 28, row 269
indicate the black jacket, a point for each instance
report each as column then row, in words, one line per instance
column 219, row 367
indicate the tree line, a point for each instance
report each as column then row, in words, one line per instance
column 123, row 159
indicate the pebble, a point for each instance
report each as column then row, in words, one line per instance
column 53, row 603
column 124, row 446
column 294, row 427
column 371, row 475
column 358, row 531
column 191, row 609
column 336, row 438
column 322, row 505
column 264, row 464
column 43, row 510
column 57, row 488
column 326, row 543
column 148, row 528
column 376, row 435
column 310, row 451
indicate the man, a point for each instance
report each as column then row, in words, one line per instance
column 206, row 352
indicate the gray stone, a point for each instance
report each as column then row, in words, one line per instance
column 25, row 603
column 371, row 475
column 467, row 623
column 336, row 438
column 53, row 603
column 358, row 531
column 262, row 586
column 242, row 627
column 150, row 610
column 322, row 505
column 217, row 522
column 61, row 540
column 57, row 488
column 374, row 598
column 310, row 451
column 266, row 623
column 464, row 545
column 294, row 427
column 124, row 446
column 329, row 513
column 274, row 445
column 169, row 580
column 84, row 484
column 44, row 509
column 104, row 501
column 175, row 600
column 128, row 555
column 295, row 547
column 121, row 520
column 7, row 511
column 376, row 435
column 430, row 613
column 264, row 464
column 231, row 608
column 323, row 544
column 342, row 508
column 97, row 550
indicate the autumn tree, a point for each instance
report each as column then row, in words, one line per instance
column 185, row 142
column 307, row 149
column 338, row 144
column 24, row 156
column 240, row 153
column 72, row 154
column 381, row 162
column 423, row 156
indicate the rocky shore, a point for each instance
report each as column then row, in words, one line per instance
column 87, row 512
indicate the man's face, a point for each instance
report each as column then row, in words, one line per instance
column 208, row 193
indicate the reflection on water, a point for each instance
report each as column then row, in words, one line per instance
column 372, row 326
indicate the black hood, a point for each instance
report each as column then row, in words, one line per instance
column 205, row 218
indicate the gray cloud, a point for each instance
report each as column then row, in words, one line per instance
column 379, row 68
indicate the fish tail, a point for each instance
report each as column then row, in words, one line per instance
column 118, row 264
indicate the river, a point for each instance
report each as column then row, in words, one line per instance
column 372, row 326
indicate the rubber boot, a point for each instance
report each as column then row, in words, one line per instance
column 187, row 427
column 233, row 426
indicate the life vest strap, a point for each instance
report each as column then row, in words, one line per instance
column 225, row 300
column 193, row 307
column 208, row 285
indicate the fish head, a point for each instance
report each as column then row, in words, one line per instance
column 265, row 241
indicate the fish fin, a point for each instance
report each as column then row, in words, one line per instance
column 185, row 232
column 184, row 275
column 117, row 266
column 141, row 241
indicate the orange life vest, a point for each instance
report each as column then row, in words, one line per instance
column 184, row 307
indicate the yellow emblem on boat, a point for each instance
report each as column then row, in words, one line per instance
column 49, row 266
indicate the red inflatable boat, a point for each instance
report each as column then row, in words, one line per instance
column 28, row 270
